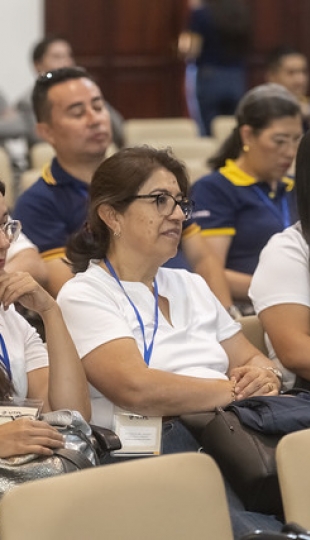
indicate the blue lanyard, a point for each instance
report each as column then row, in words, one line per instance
column 4, row 357
column 147, row 348
column 284, row 214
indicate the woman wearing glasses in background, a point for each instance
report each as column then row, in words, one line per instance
column 154, row 341
column 53, row 374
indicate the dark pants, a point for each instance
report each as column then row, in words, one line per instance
column 218, row 90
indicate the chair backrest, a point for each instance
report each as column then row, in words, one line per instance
column 137, row 131
column 171, row 497
column 27, row 178
column 254, row 331
column 40, row 154
column 194, row 152
column 292, row 457
column 222, row 126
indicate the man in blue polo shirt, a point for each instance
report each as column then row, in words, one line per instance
column 72, row 117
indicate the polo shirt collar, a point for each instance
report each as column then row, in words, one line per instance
column 240, row 178
column 54, row 174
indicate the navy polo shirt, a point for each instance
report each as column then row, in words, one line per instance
column 231, row 202
column 52, row 209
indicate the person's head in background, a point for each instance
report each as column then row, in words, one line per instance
column 267, row 134
column 72, row 117
column 52, row 52
column 287, row 66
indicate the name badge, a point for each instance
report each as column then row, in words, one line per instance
column 18, row 408
column 139, row 435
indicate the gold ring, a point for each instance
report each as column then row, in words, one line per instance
column 270, row 387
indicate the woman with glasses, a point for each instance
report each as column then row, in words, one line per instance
column 51, row 374
column 248, row 197
column 153, row 341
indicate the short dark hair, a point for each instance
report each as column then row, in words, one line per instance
column 41, row 47
column 277, row 54
column 257, row 108
column 45, row 81
column 115, row 182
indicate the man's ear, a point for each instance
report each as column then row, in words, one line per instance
column 45, row 132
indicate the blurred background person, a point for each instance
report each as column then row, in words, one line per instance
column 248, row 198
column 287, row 66
column 215, row 41
column 54, row 52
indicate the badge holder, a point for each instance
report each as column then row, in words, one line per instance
column 139, row 435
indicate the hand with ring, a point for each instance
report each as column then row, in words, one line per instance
column 254, row 381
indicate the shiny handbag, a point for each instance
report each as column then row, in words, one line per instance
column 291, row 531
column 84, row 445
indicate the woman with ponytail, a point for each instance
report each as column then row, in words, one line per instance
column 248, row 197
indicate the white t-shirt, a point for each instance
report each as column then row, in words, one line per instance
column 24, row 346
column 96, row 311
column 20, row 244
column 282, row 275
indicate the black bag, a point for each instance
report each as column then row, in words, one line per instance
column 84, row 445
column 246, row 456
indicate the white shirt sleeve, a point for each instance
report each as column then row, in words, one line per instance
column 282, row 275
column 21, row 243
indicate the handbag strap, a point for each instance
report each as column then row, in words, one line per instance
column 77, row 458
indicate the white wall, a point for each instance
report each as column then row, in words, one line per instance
column 21, row 25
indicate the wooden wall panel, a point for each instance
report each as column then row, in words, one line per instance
column 130, row 46
column 274, row 23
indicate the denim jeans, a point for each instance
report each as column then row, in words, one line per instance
column 219, row 90
column 176, row 438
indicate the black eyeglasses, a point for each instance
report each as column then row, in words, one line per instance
column 166, row 203
column 11, row 229
column 61, row 74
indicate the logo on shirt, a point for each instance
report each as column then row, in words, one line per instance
column 201, row 213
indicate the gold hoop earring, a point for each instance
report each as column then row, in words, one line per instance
column 245, row 148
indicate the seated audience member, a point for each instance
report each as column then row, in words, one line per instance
column 248, row 198
column 73, row 118
column 52, row 374
column 56, row 206
column 153, row 340
column 289, row 67
column 280, row 289
column 54, row 52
